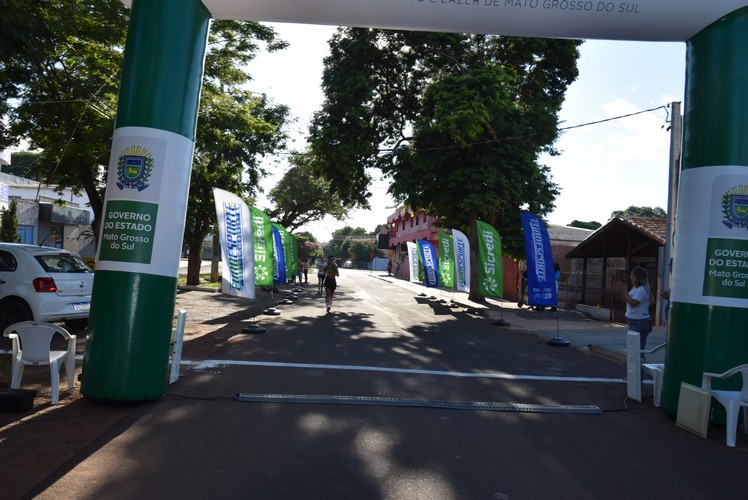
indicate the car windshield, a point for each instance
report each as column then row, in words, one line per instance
column 57, row 263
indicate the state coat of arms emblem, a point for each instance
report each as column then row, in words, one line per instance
column 134, row 168
column 735, row 207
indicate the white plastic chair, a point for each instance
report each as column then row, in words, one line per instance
column 656, row 370
column 32, row 345
column 634, row 365
column 177, row 338
column 731, row 400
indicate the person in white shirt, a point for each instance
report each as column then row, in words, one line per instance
column 637, row 301
column 320, row 274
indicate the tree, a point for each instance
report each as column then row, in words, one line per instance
column 585, row 225
column 340, row 243
column 301, row 197
column 359, row 251
column 309, row 247
column 25, row 164
column 236, row 128
column 634, row 211
column 464, row 119
column 9, row 223
column 59, row 81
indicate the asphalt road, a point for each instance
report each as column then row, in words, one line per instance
column 564, row 428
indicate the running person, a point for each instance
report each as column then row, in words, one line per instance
column 331, row 273
column 320, row 275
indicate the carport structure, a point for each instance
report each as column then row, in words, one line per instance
column 616, row 247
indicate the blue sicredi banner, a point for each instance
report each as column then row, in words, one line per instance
column 429, row 262
column 541, row 277
column 279, row 263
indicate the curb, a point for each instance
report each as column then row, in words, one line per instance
column 197, row 288
column 607, row 353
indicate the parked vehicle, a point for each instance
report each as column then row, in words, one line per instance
column 348, row 264
column 43, row 284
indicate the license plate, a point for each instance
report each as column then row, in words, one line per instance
column 82, row 306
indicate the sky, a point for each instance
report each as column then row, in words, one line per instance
column 602, row 167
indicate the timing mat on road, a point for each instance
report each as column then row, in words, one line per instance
column 415, row 403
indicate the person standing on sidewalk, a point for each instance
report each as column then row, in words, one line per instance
column 637, row 305
column 331, row 275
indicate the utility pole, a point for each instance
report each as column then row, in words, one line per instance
column 676, row 137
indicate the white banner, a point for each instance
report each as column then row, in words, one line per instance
column 710, row 266
column 462, row 261
column 237, row 252
column 412, row 260
column 146, row 202
column 647, row 20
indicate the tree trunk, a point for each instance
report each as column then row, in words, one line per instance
column 96, row 201
column 194, row 261
column 215, row 257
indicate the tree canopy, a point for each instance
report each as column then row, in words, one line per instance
column 59, row 80
column 236, row 129
column 301, row 197
column 457, row 122
column 341, row 240
column 585, row 225
column 308, row 246
column 634, row 211
column 24, row 164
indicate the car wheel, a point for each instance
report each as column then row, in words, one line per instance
column 76, row 324
column 14, row 311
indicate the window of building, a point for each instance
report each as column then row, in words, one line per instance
column 56, row 236
column 26, row 233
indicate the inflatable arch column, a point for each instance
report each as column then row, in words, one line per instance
column 709, row 313
column 126, row 355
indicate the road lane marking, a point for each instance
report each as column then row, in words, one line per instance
column 217, row 363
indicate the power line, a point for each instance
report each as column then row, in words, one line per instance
column 504, row 139
column 527, row 136
column 392, row 150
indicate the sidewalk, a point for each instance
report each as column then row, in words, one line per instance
column 607, row 339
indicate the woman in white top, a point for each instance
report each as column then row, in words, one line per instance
column 320, row 274
column 637, row 301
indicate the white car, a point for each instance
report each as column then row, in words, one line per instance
column 43, row 284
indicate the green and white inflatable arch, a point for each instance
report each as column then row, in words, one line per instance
column 126, row 355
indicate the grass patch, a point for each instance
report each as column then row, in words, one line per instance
column 204, row 281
